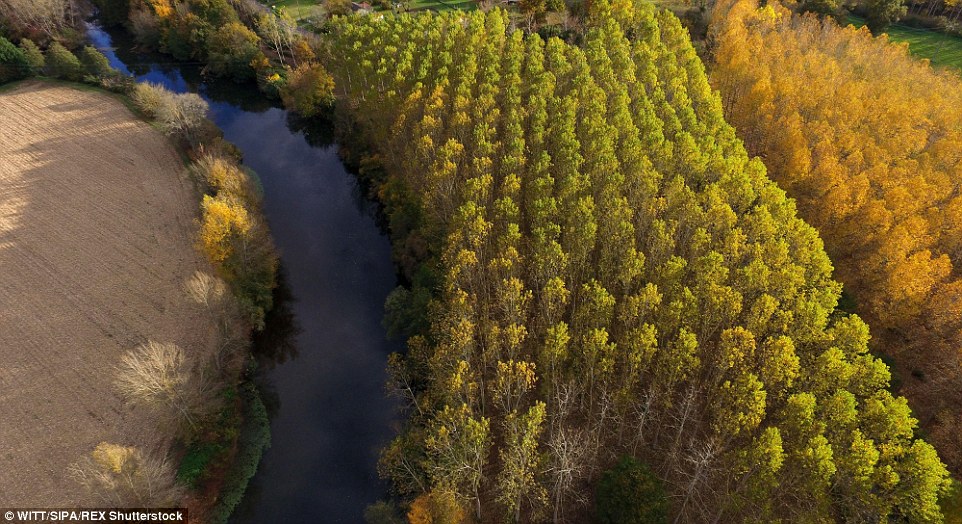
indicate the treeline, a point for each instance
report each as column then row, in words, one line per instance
column 868, row 141
column 240, row 40
column 27, row 59
column 199, row 396
column 43, row 20
column 612, row 309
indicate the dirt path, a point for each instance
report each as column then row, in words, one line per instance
column 96, row 241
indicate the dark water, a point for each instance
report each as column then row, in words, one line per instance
column 330, row 414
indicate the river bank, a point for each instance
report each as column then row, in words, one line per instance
column 329, row 413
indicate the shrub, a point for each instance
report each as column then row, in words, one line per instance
column 232, row 50
column 630, row 494
column 183, row 116
column 95, row 63
column 255, row 437
column 382, row 513
column 149, row 97
column 13, row 63
column 309, row 89
column 61, row 63
column 33, row 55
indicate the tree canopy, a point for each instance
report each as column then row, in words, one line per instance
column 868, row 141
column 610, row 274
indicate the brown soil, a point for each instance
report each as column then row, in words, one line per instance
column 96, row 241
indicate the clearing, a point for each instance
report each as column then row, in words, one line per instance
column 941, row 49
column 96, row 242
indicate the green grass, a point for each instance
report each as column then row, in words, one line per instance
column 942, row 50
column 298, row 9
column 302, row 10
column 443, row 5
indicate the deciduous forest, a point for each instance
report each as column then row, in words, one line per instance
column 609, row 300
column 879, row 179
column 644, row 280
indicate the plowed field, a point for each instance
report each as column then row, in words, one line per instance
column 96, row 242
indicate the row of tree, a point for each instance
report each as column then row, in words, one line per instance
column 868, row 141
column 599, row 270
column 233, row 39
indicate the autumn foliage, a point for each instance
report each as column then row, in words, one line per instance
column 610, row 275
column 234, row 236
column 869, row 142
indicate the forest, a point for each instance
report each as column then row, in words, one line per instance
column 612, row 310
column 881, row 186
column 654, row 270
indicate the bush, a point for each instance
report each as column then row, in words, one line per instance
column 180, row 115
column 95, row 63
column 309, row 89
column 382, row 513
column 61, row 63
column 630, row 494
column 33, row 54
column 13, row 63
column 255, row 437
column 184, row 117
column 148, row 98
column 232, row 50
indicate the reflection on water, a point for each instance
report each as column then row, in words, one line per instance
column 277, row 343
column 324, row 354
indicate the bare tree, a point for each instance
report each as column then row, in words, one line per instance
column 567, row 453
column 212, row 295
column 127, row 477
column 184, row 115
column 162, row 377
column 48, row 16
column 207, row 290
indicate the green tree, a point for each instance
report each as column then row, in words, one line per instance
column 231, row 51
column 630, row 493
column 33, row 55
column 95, row 63
column 61, row 63
column 309, row 90
column 337, row 7
column 882, row 13
column 13, row 62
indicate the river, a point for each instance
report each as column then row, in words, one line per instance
column 330, row 416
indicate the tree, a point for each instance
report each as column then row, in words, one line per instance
column 183, row 115
column 13, row 62
column 309, row 90
column 848, row 167
column 588, row 209
column 231, row 50
column 61, row 63
column 33, row 55
column 162, row 377
column 883, row 13
column 338, row 7
column 630, row 493
column 533, row 11
column 46, row 16
column 124, row 476
column 95, row 63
